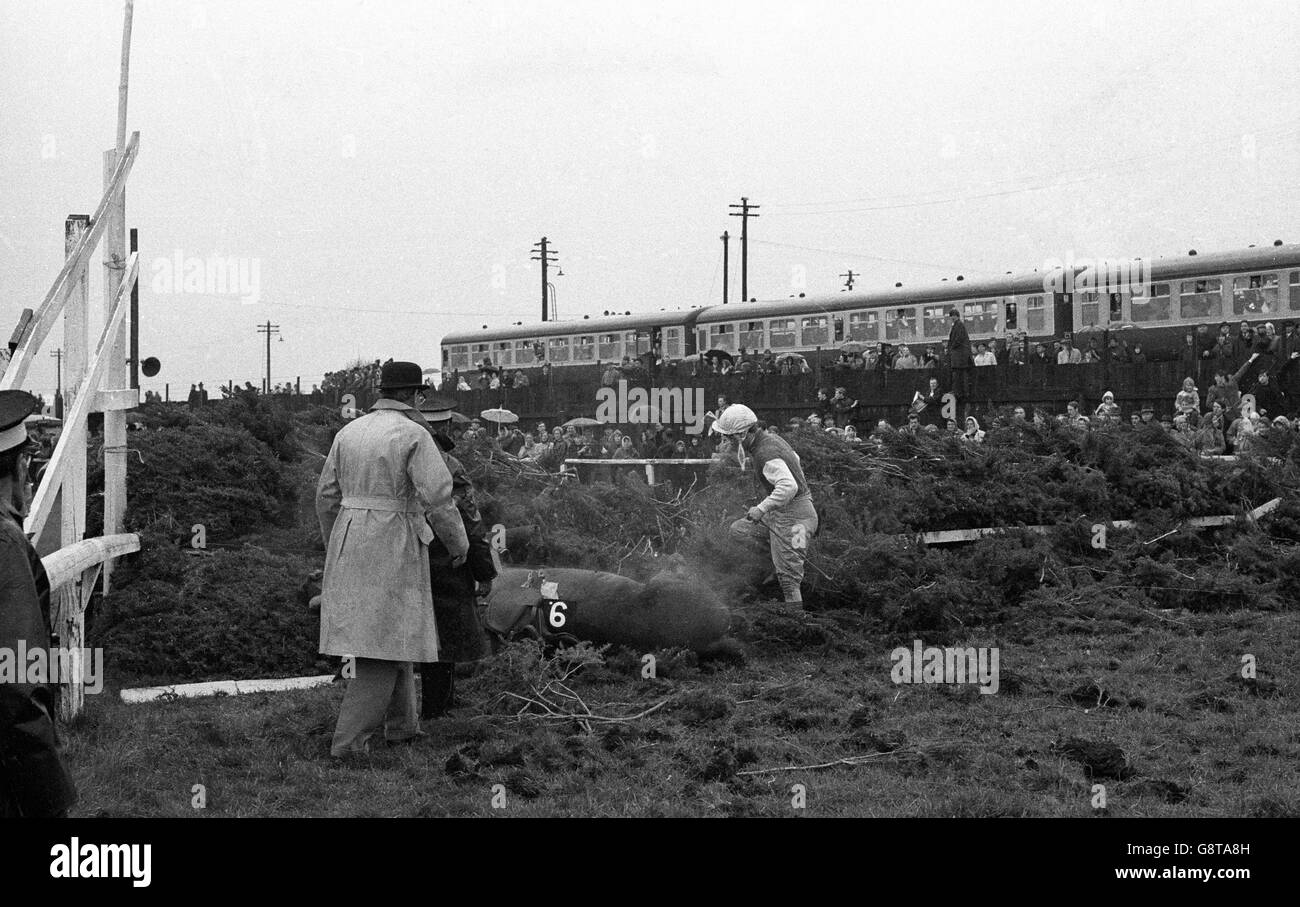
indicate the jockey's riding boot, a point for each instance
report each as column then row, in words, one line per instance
column 436, row 678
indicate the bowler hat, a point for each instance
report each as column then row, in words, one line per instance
column 400, row 376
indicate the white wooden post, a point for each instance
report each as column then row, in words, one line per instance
column 65, row 604
column 115, row 376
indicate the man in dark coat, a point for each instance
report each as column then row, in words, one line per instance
column 455, row 588
column 959, row 355
column 33, row 780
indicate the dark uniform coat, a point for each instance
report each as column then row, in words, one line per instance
column 454, row 588
column 33, row 779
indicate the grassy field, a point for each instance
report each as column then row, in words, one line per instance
column 1153, row 703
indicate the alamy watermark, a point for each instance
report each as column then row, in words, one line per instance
column 216, row 275
column 655, row 405
column 921, row 664
column 1097, row 275
column 41, row 665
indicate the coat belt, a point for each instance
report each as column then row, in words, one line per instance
column 377, row 502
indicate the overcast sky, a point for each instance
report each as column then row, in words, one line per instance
column 386, row 167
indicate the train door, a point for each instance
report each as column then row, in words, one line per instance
column 1063, row 313
column 839, row 328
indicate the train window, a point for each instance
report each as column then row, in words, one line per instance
column 934, row 321
column 751, row 335
column 584, row 348
column 1035, row 315
column 1254, row 295
column 501, row 352
column 558, row 349
column 1116, row 306
column 524, row 352
column 610, row 347
column 1010, row 323
column 673, row 343
column 1152, row 307
column 781, row 332
column 1089, row 308
column 636, row 342
column 722, row 337
column 459, row 357
column 864, row 326
column 1294, row 292
column 1200, row 298
column 981, row 317
column 480, row 353
column 900, row 324
column 814, row 331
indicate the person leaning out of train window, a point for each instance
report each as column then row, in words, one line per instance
column 906, row 359
column 985, row 356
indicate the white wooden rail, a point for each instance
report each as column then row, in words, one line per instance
column 953, row 536
column 648, row 462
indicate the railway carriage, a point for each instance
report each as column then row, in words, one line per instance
column 1154, row 302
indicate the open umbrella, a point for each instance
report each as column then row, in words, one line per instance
column 582, row 422
column 854, row 346
column 460, row 418
column 500, row 416
column 785, row 356
column 719, row 354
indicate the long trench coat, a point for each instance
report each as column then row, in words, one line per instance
column 383, row 486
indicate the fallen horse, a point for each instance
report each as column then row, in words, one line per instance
column 671, row 609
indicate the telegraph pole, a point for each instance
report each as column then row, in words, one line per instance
column 543, row 253
column 744, row 215
column 725, row 269
column 848, row 279
column 268, row 329
column 58, row 387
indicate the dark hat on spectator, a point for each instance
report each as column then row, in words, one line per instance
column 1149, row 409
column 15, row 406
column 436, row 409
column 394, row 376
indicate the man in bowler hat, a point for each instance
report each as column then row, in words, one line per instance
column 384, row 494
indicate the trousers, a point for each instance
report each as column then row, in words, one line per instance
column 381, row 695
column 787, row 531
